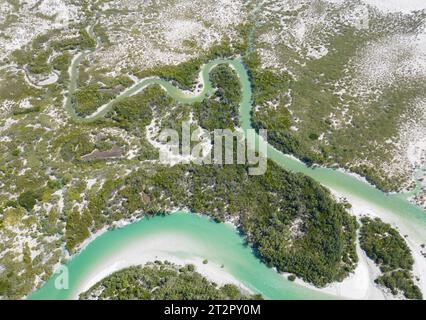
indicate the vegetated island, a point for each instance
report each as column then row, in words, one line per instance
column 387, row 248
column 162, row 281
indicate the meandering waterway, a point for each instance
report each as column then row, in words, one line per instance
column 220, row 243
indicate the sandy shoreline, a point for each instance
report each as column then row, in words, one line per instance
column 211, row 271
column 362, row 208
column 358, row 285
column 158, row 247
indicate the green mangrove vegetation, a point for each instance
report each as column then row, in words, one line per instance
column 58, row 198
column 221, row 111
column 330, row 103
column 387, row 248
column 290, row 220
column 162, row 281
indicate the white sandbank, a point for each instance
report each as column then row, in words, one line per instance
column 173, row 247
column 361, row 208
column 392, row 6
column 179, row 249
column 358, row 285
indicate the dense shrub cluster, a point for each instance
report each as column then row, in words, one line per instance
column 385, row 246
column 161, row 281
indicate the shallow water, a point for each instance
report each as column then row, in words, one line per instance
column 199, row 237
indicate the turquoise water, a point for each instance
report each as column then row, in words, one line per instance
column 217, row 242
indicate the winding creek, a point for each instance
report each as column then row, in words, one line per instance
column 201, row 238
